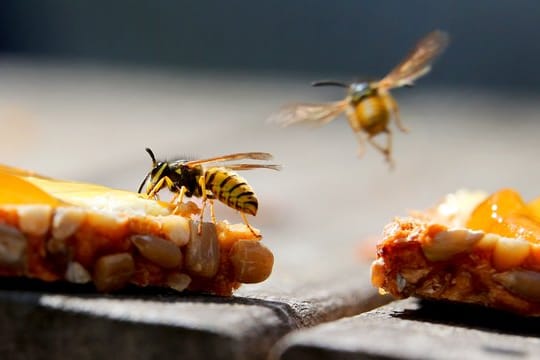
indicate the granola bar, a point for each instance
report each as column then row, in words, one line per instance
column 84, row 233
column 471, row 248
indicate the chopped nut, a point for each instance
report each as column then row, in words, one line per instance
column 12, row 246
column 164, row 253
column 114, row 226
column 252, row 261
column 202, row 250
column 377, row 273
column 510, row 252
column 66, row 221
column 446, row 244
column 178, row 282
column 488, row 242
column 187, row 209
column 56, row 246
column 230, row 233
column 523, row 283
column 113, row 272
column 401, row 282
column 34, row 219
column 176, row 228
column 77, row 274
column 414, row 275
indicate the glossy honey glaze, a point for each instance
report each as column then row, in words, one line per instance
column 507, row 214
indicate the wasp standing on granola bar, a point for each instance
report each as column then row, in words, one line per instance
column 368, row 105
column 56, row 230
column 190, row 178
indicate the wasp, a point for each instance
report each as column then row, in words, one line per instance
column 196, row 178
column 368, row 105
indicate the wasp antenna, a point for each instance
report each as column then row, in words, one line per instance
column 143, row 182
column 329, row 83
column 151, row 153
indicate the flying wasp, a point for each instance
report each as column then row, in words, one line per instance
column 192, row 178
column 368, row 105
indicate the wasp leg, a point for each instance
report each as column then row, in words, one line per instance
column 163, row 181
column 356, row 127
column 202, row 185
column 153, row 192
column 199, row 230
column 258, row 236
column 399, row 124
column 212, row 212
column 392, row 104
column 386, row 151
column 178, row 198
column 361, row 143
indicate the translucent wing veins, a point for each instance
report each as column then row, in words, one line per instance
column 315, row 114
column 418, row 62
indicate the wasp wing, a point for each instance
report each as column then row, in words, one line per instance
column 418, row 62
column 231, row 157
column 314, row 114
column 238, row 167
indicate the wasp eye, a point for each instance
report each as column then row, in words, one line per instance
column 156, row 169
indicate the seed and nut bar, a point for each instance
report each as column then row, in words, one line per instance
column 83, row 233
column 471, row 248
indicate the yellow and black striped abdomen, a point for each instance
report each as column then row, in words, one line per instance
column 231, row 189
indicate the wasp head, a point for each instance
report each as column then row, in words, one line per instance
column 356, row 91
column 155, row 174
column 359, row 90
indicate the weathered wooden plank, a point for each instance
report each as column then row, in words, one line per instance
column 410, row 329
column 52, row 320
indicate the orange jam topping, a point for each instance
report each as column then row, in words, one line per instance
column 505, row 213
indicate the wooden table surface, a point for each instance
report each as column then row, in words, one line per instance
column 320, row 215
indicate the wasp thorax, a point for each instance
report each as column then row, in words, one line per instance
column 358, row 91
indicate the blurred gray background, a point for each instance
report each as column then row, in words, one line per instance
column 495, row 42
column 85, row 86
